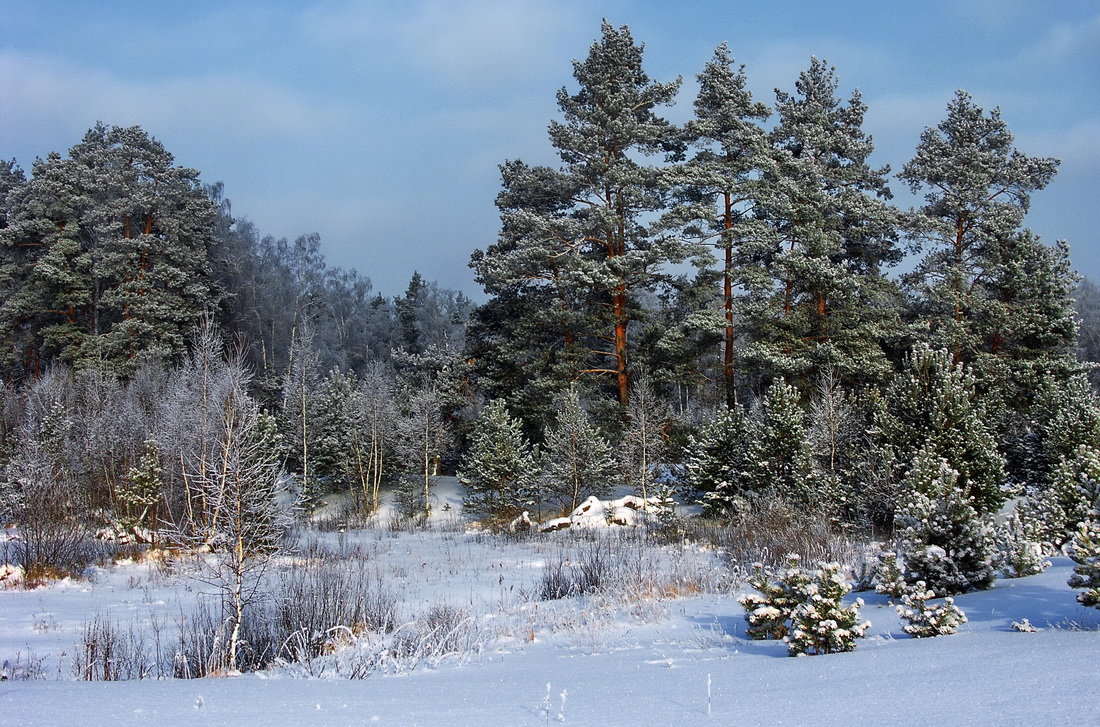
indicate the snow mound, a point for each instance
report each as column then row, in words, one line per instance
column 594, row 513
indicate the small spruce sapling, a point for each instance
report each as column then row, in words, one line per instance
column 923, row 620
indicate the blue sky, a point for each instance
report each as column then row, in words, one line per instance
column 380, row 124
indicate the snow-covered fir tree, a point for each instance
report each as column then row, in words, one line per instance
column 924, row 620
column 499, row 470
column 576, row 460
column 943, row 539
column 889, row 580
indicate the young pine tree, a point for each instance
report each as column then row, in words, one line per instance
column 717, row 459
column 499, row 470
column 942, row 538
column 933, row 405
column 778, row 459
column 576, row 459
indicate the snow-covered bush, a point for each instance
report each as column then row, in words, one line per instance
column 1085, row 552
column 1018, row 555
column 889, row 580
column 924, row 620
column 821, row 624
column 943, row 540
column 769, row 614
column 804, row 608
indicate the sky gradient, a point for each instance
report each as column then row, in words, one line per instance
column 380, row 124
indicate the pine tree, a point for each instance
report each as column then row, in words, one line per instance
column 717, row 459
column 924, row 621
column 576, row 459
column 778, row 460
column 1019, row 550
column 933, row 405
column 986, row 291
column 769, row 614
column 719, row 184
column 819, row 297
column 1050, row 513
column 498, row 470
column 821, row 624
column 142, row 489
column 106, row 254
column 1085, row 552
column 582, row 232
column 942, row 538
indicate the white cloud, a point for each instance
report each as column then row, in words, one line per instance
column 44, row 95
column 472, row 42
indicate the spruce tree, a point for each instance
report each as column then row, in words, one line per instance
column 576, row 459
column 498, row 470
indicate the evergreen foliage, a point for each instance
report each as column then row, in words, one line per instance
column 1085, row 552
column 933, row 406
column 818, row 297
column 720, row 188
column 779, row 462
column 977, row 188
column 142, row 489
column 105, row 255
column 576, row 459
column 923, row 620
column 821, row 624
column 716, row 462
column 769, row 614
column 942, row 538
column 499, row 470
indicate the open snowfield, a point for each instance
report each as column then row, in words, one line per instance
column 643, row 656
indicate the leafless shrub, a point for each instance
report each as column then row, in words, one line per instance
column 109, row 652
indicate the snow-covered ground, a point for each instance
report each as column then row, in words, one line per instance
column 646, row 656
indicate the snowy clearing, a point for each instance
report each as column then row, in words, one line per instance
column 638, row 655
